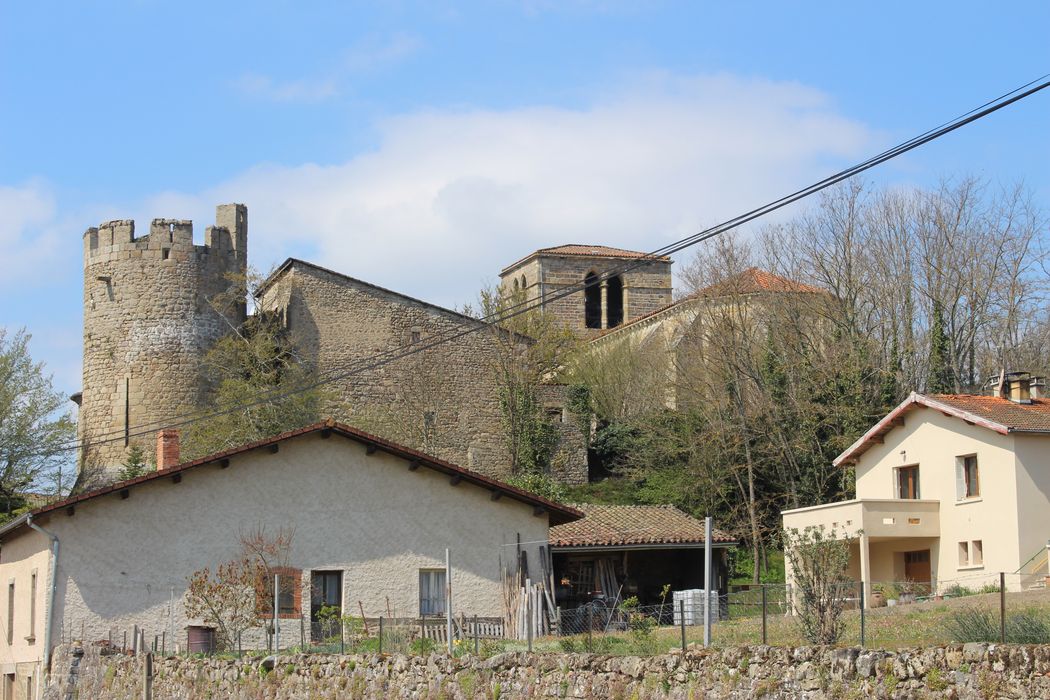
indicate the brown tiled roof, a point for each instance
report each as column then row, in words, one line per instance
column 610, row 526
column 750, row 281
column 1016, row 417
column 995, row 413
column 588, row 251
column 558, row 512
column 753, row 281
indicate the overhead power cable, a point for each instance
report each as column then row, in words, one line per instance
column 516, row 309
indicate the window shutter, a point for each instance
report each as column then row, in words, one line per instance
column 960, row 478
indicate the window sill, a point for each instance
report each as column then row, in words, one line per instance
column 972, row 567
column 31, row 639
column 975, row 499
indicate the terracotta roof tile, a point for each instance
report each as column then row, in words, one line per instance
column 754, row 280
column 1021, row 417
column 588, row 251
column 992, row 412
column 604, row 525
column 557, row 512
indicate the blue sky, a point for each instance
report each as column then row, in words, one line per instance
column 422, row 146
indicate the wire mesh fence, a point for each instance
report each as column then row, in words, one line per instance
column 975, row 607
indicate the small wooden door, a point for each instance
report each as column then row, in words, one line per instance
column 917, row 566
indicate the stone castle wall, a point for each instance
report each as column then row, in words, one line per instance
column 443, row 401
column 961, row 672
column 147, row 324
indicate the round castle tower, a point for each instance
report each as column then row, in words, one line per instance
column 148, row 321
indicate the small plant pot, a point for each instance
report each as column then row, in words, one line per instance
column 907, row 598
column 878, row 600
column 891, row 602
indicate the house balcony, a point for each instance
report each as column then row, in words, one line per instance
column 877, row 518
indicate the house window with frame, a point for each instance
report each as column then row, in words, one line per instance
column 908, row 482
column 289, row 600
column 964, row 554
column 967, row 479
column 431, row 591
column 977, row 553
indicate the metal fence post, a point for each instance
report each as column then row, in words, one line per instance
column 380, row 634
column 1002, row 607
column 590, row 627
column 302, row 632
column 681, row 620
column 861, row 583
column 342, row 648
column 765, row 638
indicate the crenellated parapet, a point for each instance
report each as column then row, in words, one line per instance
column 153, row 305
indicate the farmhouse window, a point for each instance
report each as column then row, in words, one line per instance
column 977, row 553
column 964, row 554
column 967, row 480
column 289, row 600
column 908, row 482
column 431, row 591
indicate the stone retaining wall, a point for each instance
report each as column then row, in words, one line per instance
column 958, row 671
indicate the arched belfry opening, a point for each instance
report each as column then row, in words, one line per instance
column 592, row 302
column 614, row 301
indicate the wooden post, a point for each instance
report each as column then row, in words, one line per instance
column 302, row 632
column 477, row 641
column 380, row 634
column 681, row 620
column 342, row 639
column 528, row 619
column 147, row 677
column 448, row 598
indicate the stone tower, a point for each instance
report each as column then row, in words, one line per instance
column 149, row 317
column 605, row 304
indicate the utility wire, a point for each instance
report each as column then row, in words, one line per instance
column 386, row 357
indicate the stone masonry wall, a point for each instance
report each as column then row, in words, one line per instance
column 961, row 672
column 443, row 401
column 646, row 288
column 147, row 324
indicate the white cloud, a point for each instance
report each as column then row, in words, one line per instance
column 450, row 196
column 368, row 55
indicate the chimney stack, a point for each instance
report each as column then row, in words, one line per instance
column 167, row 449
column 1015, row 386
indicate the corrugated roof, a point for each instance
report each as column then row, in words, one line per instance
column 607, row 525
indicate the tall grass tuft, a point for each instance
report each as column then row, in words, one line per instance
column 1031, row 626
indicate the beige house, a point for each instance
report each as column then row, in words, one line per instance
column 951, row 489
column 371, row 522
